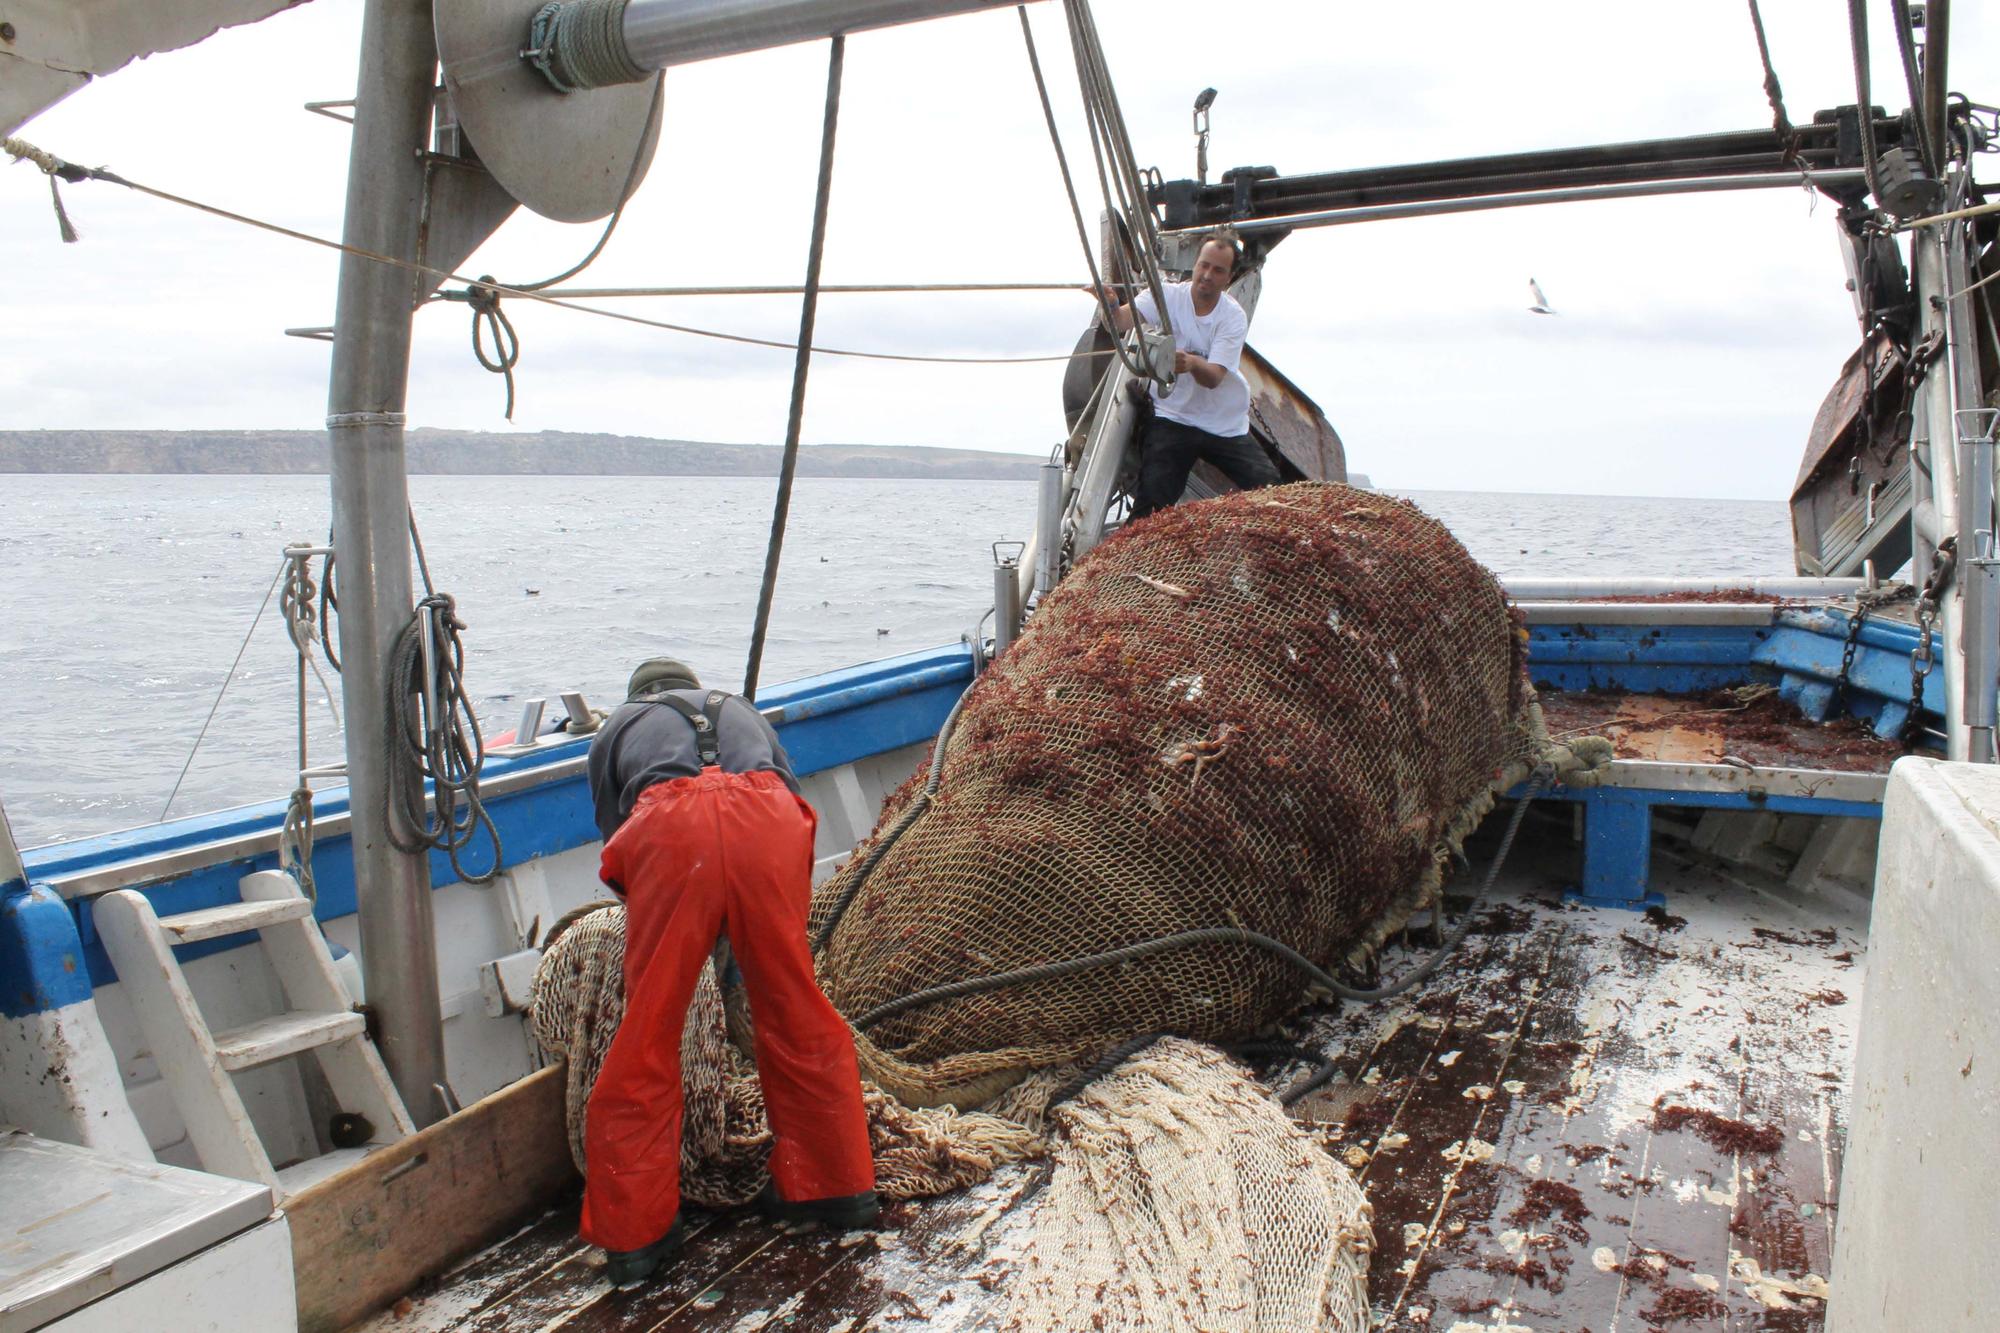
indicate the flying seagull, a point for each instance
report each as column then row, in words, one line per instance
column 1541, row 305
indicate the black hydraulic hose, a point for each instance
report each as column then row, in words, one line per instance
column 1857, row 30
column 916, row 807
column 1906, row 47
column 1221, row 934
column 1311, row 1083
column 1109, row 1061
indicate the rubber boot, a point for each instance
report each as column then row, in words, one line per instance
column 847, row 1212
column 628, row 1268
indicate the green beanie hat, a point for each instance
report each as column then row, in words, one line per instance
column 661, row 673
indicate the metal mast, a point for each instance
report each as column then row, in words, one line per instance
column 365, row 401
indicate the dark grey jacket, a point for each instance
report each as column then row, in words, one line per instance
column 644, row 743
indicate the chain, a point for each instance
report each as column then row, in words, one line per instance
column 1921, row 658
column 1865, row 604
column 295, row 838
column 1920, row 667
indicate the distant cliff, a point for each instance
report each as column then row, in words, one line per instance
column 464, row 452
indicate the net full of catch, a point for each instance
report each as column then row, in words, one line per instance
column 1280, row 711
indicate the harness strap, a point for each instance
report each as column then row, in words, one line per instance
column 706, row 721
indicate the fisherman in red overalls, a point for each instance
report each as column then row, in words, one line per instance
column 705, row 835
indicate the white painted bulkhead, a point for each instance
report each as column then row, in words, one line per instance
column 1918, row 1209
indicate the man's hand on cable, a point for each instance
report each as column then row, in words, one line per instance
column 1108, row 299
column 1206, row 373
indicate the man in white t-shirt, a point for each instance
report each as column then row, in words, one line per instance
column 1207, row 413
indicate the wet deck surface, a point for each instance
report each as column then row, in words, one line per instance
column 1506, row 1122
column 1716, row 726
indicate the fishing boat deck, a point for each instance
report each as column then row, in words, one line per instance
column 1591, row 1119
column 1719, row 726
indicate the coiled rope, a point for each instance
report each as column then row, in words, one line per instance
column 582, row 45
column 438, row 739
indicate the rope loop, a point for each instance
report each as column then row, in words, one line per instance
column 487, row 316
column 434, row 734
column 56, row 170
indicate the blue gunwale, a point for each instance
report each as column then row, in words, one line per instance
column 824, row 721
column 874, row 707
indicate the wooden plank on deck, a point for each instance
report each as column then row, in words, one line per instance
column 364, row 1237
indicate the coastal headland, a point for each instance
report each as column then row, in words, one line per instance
column 486, row 453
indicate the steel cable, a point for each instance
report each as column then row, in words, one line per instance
column 1075, row 208
column 227, row 677
column 69, row 171
column 1857, row 32
column 788, row 468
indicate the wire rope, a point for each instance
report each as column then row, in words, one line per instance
column 1075, row 208
column 788, row 468
column 69, row 171
column 226, row 679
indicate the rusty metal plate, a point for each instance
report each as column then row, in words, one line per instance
column 567, row 156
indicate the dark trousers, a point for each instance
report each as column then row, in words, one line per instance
column 1171, row 448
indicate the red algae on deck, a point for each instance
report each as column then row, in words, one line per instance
column 1717, row 1131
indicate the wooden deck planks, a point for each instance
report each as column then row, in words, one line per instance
column 1584, row 1216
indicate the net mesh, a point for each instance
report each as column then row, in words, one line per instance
column 576, row 1006
column 1183, row 1199
column 1279, row 710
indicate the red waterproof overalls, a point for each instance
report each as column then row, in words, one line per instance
column 700, row 857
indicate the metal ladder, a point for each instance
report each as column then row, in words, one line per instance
column 197, row 1064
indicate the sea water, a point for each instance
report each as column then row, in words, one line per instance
column 124, row 601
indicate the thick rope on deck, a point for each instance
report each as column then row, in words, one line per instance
column 1183, row 1198
column 577, row 1004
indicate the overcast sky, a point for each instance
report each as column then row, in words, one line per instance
column 1696, row 339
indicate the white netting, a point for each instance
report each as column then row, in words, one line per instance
column 1183, row 1198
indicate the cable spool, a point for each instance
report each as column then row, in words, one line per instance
column 567, row 156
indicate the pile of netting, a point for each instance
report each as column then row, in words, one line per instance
column 1242, row 736
column 1277, row 713
column 1180, row 1196
column 575, row 1008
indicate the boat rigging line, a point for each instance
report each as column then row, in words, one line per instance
column 801, row 365
column 228, row 676
column 825, row 289
column 1857, row 28
column 1097, row 287
column 1781, row 124
column 59, row 168
column 1137, row 232
column 484, row 296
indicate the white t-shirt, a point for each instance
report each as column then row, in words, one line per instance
column 1218, row 337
